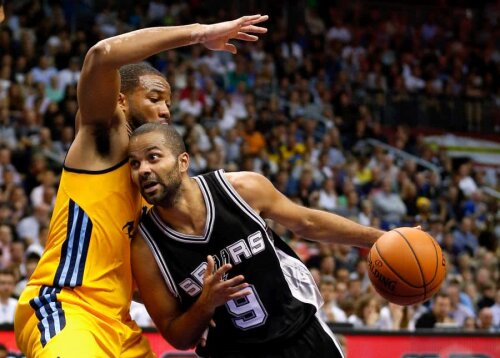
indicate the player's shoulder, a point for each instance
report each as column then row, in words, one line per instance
column 245, row 180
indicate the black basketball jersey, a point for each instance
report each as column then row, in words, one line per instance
column 283, row 298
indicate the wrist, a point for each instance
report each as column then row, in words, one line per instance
column 203, row 307
column 199, row 33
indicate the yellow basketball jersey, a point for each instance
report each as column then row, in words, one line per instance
column 87, row 257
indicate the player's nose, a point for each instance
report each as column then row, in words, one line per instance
column 164, row 112
column 144, row 170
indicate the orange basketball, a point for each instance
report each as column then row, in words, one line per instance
column 406, row 266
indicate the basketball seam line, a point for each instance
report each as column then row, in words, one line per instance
column 393, row 270
column 418, row 262
column 404, row 296
column 437, row 257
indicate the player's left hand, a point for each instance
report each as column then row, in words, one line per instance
column 216, row 36
column 217, row 291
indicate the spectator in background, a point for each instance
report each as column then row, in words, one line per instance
column 464, row 238
column 44, row 71
column 388, row 205
column 6, row 238
column 485, row 320
column 253, row 140
column 28, row 228
column 469, row 324
column 328, row 196
column 396, row 317
column 458, row 311
column 30, row 263
column 70, row 75
column 438, row 314
column 365, row 215
column 465, row 181
column 6, row 164
column 330, row 311
column 48, row 181
column 496, row 310
column 487, row 292
column 367, row 313
column 8, row 303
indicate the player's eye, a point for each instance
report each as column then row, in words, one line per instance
column 134, row 164
column 154, row 157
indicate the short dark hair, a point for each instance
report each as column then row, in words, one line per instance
column 173, row 140
column 129, row 75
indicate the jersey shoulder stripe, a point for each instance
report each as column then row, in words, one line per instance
column 238, row 200
column 75, row 248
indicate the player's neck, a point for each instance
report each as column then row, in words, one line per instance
column 188, row 214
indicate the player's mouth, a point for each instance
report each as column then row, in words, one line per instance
column 150, row 186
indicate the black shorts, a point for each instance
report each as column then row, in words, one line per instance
column 315, row 341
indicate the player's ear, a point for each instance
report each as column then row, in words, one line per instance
column 122, row 101
column 183, row 162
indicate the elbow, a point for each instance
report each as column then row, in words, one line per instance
column 99, row 54
column 305, row 228
column 178, row 343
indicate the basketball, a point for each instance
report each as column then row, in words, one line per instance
column 406, row 266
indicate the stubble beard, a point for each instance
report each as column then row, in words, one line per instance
column 170, row 190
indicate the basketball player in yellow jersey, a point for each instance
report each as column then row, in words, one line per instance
column 76, row 303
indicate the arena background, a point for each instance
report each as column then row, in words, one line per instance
column 386, row 112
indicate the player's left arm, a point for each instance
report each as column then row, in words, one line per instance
column 312, row 224
column 183, row 329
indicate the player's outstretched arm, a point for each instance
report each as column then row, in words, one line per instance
column 181, row 329
column 100, row 83
column 312, row 224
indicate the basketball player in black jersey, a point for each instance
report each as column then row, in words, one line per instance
column 217, row 259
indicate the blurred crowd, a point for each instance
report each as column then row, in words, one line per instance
column 298, row 106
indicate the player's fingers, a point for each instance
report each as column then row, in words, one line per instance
column 238, row 288
column 245, row 37
column 239, row 294
column 248, row 19
column 222, row 271
column 210, row 266
column 230, row 48
column 212, row 323
column 234, row 281
column 254, row 29
column 254, row 19
column 418, row 227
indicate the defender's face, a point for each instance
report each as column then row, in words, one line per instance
column 154, row 169
column 150, row 101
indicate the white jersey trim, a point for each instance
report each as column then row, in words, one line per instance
column 299, row 279
column 236, row 197
column 330, row 333
column 193, row 239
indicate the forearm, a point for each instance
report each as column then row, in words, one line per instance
column 185, row 331
column 323, row 226
column 138, row 45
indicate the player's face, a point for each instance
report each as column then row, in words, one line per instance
column 154, row 169
column 150, row 101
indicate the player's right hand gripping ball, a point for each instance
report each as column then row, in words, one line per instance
column 406, row 266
